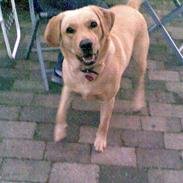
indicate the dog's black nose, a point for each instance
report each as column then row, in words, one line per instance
column 86, row 45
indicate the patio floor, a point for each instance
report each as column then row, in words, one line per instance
column 145, row 147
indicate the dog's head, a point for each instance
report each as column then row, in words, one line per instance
column 81, row 32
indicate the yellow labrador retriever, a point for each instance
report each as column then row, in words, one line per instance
column 97, row 45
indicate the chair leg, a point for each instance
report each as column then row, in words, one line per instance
column 33, row 37
column 168, row 18
column 177, row 3
column 41, row 62
column 163, row 30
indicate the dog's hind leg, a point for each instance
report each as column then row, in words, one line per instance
column 61, row 124
column 141, row 47
column 106, row 109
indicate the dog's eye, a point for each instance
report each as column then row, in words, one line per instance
column 93, row 24
column 70, row 30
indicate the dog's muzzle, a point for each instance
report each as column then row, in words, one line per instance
column 88, row 59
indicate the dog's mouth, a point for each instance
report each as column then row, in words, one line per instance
column 88, row 59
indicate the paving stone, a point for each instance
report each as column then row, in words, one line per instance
column 115, row 156
column 9, row 113
column 35, row 75
column 120, row 106
column 19, row 170
column 45, row 132
column 125, row 107
column 164, row 75
column 156, row 85
column 47, row 100
column 177, row 111
column 83, row 118
column 10, row 182
column 88, row 134
column 161, row 124
column 13, row 73
column 182, row 122
column 70, row 152
column 22, row 149
column 3, row 53
column 74, row 173
column 80, row 104
column 176, row 32
column 6, row 62
column 174, row 141
column 166, row 110
column 179, row 97
column 165, row 176
column 28, row 85
column 175, row 86
column 38, row 114
column 159, row 96
column 142, row 139
column 29, row 65
column 115, row 174
column 158, row 109
column 126, row 83
column 12, row 129
column 125, row 122
column 158, row 158
column 125, row 94
column 53, row 56
column 16, row 98
column 1, row 161
column 155, row 65
column 181, row 75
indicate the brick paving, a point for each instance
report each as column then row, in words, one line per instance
column 145, row 147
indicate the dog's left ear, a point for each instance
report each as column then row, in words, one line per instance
column 106, row 18
column 52, row 34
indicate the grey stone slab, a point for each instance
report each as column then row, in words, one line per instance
column 70, row 152
column 143, row 139
column 116, row 174
column 25, row 170
column 165, row 176
column 47, row 100
column 13, row 129
column 159, row 158
column 45, row 132
column 74, row 173
column 88, row 135
column 9, row 113
column 22, row 149
column 38, row 114
column 118, row 156
column 28, row 85
column 16, row 98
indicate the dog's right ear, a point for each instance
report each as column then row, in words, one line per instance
column 106, row 18
column 52, row 34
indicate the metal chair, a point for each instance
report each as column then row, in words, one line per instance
column 159, row 24
column 40, row 11
column 6, row 26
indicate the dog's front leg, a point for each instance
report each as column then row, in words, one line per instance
column 61, row 124
column 106, row 109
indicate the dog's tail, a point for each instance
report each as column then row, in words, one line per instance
column 135, row 3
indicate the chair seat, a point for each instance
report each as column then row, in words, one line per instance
column 53, row 7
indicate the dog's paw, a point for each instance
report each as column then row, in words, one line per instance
column 60, row 132
column 100, row 143
column 137, row 106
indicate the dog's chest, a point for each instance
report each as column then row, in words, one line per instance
column 92, row 96
column 92, row 92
